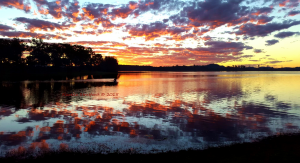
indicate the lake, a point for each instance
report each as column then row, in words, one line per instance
column 149, row 111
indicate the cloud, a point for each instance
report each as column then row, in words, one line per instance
column 127, row 38
column 283, row 3
column 288, row 3
column 202, row 31
column 96, row 10
column 264, row 30
column 221, row 47
column 125, row 11
column 60, row 8
column 100, row 44
column 286, row 34
column 247, row 56
column 86, row 32
column 42, row 25
column 156, row 30
column 263, row 10
column 54, row 8
column 293, row 13
column 5, row 27
column 107, row 24
column 206, row 38
column 99, row 10
column 271, row 42
column 258, row 51
column 216, row 51
column 213, row 13
column 19, row 4
column 273, row 62
column 263, row 19
column 29, row 34
column 72, row 12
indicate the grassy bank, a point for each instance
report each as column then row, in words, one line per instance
column 279, row 149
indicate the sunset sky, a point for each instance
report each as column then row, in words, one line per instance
column 165, row 32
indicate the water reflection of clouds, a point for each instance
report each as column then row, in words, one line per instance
column 204, row 110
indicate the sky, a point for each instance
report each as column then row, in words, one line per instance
column 165, row 32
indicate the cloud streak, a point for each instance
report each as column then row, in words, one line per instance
column 41, row 25
column 286, row 34
column 271, row 42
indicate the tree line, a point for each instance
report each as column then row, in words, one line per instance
column 60, row 55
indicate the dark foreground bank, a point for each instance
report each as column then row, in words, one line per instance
column 281, row 148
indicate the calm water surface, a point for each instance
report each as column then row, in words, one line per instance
column 148, row 111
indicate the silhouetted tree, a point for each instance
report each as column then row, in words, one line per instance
column 39, row 54
column 56, row 55
column 110, row 64
column 96, row 60
column 11, row 50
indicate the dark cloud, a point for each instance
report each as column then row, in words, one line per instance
column 36, row 24
column 247, row 56
column 107, row 24
column 221, row 47
column 72, row 12
column 5, row 27
column 293, row 13
column 264, row 30
column 19, row 4
column 96, row 10
column 271, row 42
column 165, row 20
column 202, row 31
column 127, row 38
column 263, row 10
column 155, row 30
column 213, row 13
column 273, row 62
column 263, row 19
column 99, row 43
column 258, row 51
column 245, row 37
column 29, row 34
column 283, row 3
column 122, row 12
column 53, row 8
column 59, row 9
column 286, row 34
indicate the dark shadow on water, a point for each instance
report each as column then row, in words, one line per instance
column 56, row 76
column 20, row 93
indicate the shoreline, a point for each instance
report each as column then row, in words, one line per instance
column 277, row 148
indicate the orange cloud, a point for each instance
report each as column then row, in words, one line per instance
column 133, row 5
column 88, row 13
column 42, row 10
column 283, row 4
column 14, row 3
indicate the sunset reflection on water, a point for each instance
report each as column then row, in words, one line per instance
column 160, row 110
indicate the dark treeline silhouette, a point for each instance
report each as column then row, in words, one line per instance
column 52, row 58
